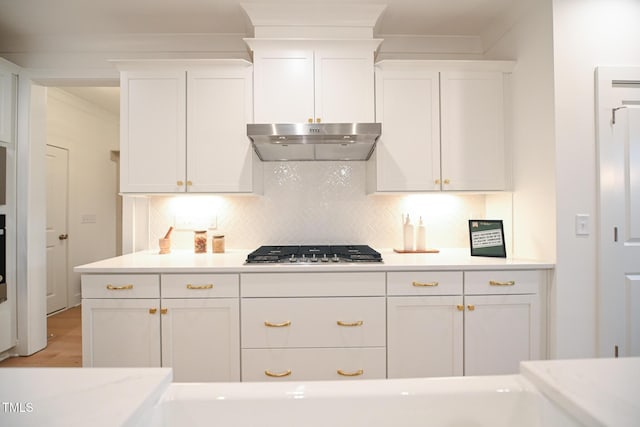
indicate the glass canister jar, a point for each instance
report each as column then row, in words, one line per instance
column 200, row 241
column 218, row 243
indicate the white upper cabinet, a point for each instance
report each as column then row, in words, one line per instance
column 183, row 129
column 443, row 127
column 313, row 83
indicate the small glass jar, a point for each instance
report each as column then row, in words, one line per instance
column 218, row 244
column 200, row 241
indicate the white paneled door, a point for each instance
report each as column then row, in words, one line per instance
column 619, row 201
column 57, row 176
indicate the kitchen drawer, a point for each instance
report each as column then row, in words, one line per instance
column 312, row 284
column 424, row 283
column 502, row 282
column 120, row 286
column 199, row 285
column 296, row 364
column 313, row 322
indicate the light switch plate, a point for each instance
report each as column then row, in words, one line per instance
column 583, row 225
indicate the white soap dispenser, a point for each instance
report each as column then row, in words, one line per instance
column 408, row 235
column 421, row 237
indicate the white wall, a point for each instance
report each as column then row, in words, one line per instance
column 587, row 34
column 90, row 133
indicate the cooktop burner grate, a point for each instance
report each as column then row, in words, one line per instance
column 313, row 254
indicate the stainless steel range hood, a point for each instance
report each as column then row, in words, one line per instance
column 314, row 141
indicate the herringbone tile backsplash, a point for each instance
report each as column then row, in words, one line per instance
column 318, row 202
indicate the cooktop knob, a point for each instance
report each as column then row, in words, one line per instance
column 293, row 258
column 324, row 258
column 314, row 259
column 335, row 258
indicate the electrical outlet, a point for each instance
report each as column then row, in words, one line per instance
column 195, row 222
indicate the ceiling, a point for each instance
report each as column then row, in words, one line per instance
column 23, row 18
column 23, row 22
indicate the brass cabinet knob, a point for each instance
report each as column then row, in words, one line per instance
column 437, row 182
column 153, row 310
column 163, row 311
column 446, row 181
column 310, row 120
column 460, row 307
column 318, row 120
column 189, row 183
column 63, row 237
column 180, row 183
column 471, row 307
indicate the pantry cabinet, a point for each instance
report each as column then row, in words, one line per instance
column 183, row 128
column 443, row 127
column 330, row 82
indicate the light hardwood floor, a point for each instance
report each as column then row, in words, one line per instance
column 64, row 343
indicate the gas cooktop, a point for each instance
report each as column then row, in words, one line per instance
column 320, row 254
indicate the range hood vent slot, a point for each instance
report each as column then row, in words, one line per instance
column 314, row 141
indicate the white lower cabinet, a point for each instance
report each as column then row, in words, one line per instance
column 195, row 330
column 425, row 336
column 317, row 337
column 435, row 328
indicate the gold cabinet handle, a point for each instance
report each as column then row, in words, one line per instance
column 208, row 286
column 277, row 374
column 63, row 237
column 277, row 325
column 423, row 285
column 437, row 181
column 180, row 183
column 318, row 120
column 350, row 374
column 446, row 181
column 496, row 283
column 310, row 120
column 163, row 310
column 356, row 323
column 471, row 307
column 153, row 310
column 460, row 307
column 119, row 288
column 189, row 183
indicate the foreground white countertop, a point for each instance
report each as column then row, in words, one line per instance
column 595, row 392
column 68, row 397
column 233, row 261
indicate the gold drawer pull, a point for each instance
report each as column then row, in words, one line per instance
column 496, row 283
column 424, row 285
column 208, row 286
column 471, row 307
column 356, row 323
column 460, row 307
column 277, row 325
column 163, row 311
column 119, row 288
column 350, row 374
column 180, row 183
column 153, row 310
column 277, row 374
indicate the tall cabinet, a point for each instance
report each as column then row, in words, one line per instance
column 183, row 128
column 443, row 127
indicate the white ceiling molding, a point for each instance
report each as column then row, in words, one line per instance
column 313, row 20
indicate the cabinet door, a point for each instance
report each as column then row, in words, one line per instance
column 472, row 124
column 7, row 104
column 408, row 151
column 201, row 339
column 283, row 85
column 120, row 333
column 153, row 131
column 424, row 336
column 344, row 86
column 500, row 331
column 219, row 153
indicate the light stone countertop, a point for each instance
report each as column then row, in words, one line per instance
column 68, row 397
column 233, row 261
